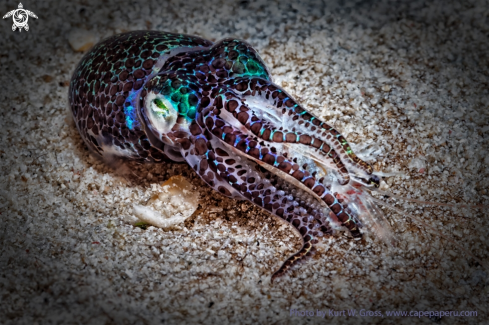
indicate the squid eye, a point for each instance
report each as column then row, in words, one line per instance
column 160, row 108
column 160, row 115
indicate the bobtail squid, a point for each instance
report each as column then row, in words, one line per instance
column 149, row 96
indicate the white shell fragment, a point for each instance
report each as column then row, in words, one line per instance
column 81, row 40
column 150, row 216
column 175, row 202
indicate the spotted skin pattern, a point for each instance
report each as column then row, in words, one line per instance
column 150, row 95
column 105, row 80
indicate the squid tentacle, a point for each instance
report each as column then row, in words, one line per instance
column 257, row 89
column 262, row 152
column 307, row 250
column 213, row 162
column 271, row 133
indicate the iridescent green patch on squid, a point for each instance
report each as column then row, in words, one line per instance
column 249, row 67
column 254, row 68
column 181, row 97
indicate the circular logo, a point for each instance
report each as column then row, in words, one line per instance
column 20, row 17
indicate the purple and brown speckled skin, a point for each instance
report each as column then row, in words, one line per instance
column 107, row 75
column 225, row 101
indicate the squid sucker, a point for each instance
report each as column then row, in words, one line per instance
column 153, row 96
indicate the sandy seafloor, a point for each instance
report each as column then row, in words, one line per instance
column 408, row 78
